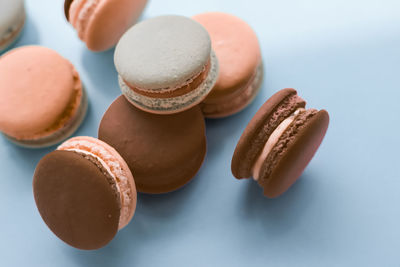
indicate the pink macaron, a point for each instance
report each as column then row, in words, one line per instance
column 42, row 100
column 240, row 64
column 101, row 23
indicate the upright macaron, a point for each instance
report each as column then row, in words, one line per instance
column 164, row 152
column 100, row 23
column 166, row 64
column 42, row 100
column 84, row 192
column 240, row 64
column 12, row 20
column 279, row 142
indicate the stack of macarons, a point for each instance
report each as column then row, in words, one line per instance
column 173, row 72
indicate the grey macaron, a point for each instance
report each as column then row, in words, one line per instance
column 12, row 20
column 166, row 64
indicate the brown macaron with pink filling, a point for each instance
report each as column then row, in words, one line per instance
column 84, row 192
column 279, row 142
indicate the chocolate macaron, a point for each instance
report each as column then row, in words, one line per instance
column 166, row 64
column 279, row 142
column 84, row 192
column 164, row 152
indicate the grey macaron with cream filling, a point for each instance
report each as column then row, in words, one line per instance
column 166, row 64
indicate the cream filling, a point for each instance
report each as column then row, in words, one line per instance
column 271, row 142
column 113, row 167
column 171, row 105
column 170, row 89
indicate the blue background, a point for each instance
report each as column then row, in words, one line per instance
column 341, row 55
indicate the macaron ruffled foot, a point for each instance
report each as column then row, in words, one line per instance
column 42, row 99
column 84, row 192
column 241, row 69
column 279, row 142
column 101, row 23
column 166, row 64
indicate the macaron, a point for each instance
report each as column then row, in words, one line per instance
column 100, row 23
column 279, row 142
column 42, row 100
column 84, row 192
column 240, row 64
column 164, row 152
column 12, row 20
column 166, row 64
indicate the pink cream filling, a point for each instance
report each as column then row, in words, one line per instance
column 271, row 142
column 117, row 169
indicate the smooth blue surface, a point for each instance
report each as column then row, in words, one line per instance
column 341, row 55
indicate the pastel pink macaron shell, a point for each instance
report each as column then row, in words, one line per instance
column 108, row 22
column 36, row 86
column 237, row 49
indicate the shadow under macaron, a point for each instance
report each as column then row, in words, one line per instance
column 29, row 157
column 169, row 204
column 142, row 229
column 221, row 131
column 100, row 72
column 281, row 214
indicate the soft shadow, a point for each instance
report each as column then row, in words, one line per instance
column 28, row 157
column 144, row 15
column 89, row 124
column 104, row 257
column 220, row 130
column 154, row 214
column 281, row 214
column 166, row 205
column 101, row 71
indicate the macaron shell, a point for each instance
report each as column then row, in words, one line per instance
column 297, row 155
column 67, row 5
column 257, row 131
column 162, row 53
column 76, row 200
column 175, row 104
column 37, row 86
column 110, row 21
column 61, row 134
column 235, row 102
column 237, row 48
column 117, row 166
column 164, row 152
